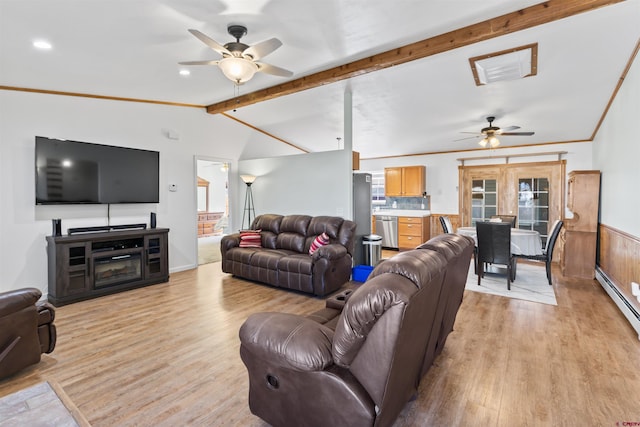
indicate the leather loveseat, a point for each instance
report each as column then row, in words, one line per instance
column 283, row 258
column 358, row 361
column 26, row 329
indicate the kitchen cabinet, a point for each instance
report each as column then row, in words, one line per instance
column 413, row 231
column 407, row 181
column 579, row 238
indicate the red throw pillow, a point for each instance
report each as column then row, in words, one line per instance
column 319, row 241
column 250, row 239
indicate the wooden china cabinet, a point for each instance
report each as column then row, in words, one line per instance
column 579, row 236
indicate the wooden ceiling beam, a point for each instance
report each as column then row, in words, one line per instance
column 532, row 16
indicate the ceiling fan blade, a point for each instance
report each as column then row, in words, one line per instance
column 212, row 62
column 474, row 133
column 210, row 42
column 517, row 133
column 273, row 70
column 468, row 137
column 262, row 49
column 508, row 129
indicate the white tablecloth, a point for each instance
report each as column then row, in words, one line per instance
column 523, row 242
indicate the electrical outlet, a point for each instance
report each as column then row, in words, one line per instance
column 635, row 289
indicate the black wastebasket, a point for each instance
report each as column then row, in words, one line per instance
column 372, row 249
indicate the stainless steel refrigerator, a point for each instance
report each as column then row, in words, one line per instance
column 361, row 213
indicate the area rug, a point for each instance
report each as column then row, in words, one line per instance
column 209, row 249
column 44, row 404
column 530, row 285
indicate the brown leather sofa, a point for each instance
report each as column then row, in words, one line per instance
column 284, row 260
column 26, row 329
column 360, row 359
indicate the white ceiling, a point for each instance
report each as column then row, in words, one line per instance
column 131, row 48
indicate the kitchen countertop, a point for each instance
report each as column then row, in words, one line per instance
column 402, row 212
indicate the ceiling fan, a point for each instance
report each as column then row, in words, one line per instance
column 489, row 134
column 239, row 60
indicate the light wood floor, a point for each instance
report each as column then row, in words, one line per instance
column 167, row 355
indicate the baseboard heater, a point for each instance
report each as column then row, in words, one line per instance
column 627, row 309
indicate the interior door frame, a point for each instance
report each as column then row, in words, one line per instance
column 195, row 190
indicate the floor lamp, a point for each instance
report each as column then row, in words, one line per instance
column 248, row 200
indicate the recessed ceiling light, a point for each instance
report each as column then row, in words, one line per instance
column 185, row 72
column 42, row 44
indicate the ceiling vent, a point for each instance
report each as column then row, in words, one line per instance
column 511, row 64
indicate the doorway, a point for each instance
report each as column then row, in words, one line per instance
column 212, row 189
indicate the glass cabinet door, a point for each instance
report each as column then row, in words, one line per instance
column 533, row 205
column 484, row 200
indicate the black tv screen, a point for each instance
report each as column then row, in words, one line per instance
column 82, row 172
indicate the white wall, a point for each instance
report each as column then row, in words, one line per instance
column 616, row 153
column 311, row 184
column 23, row 225
column 442, row 169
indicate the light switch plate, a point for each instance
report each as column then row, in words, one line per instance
column 635, row 289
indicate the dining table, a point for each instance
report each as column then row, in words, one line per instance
column 523, row 242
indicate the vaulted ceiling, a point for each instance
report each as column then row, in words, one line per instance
column 405, row 63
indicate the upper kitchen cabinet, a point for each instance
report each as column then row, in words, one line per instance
column 408, row 181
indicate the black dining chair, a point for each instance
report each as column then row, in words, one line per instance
column 446, row 224
column 494, row 247
column 506, row 218
column 547, row 253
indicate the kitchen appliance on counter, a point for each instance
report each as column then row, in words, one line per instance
column 387, row 227
column 361, row 213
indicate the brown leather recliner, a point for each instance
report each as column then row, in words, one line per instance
column 26, row 329
column 356, row 365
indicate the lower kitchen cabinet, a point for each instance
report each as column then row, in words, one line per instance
column 413, row 231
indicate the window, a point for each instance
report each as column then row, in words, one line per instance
column 377, row 188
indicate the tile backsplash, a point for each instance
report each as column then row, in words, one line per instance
column 410, row 203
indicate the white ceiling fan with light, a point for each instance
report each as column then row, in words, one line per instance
column 239, row 60
column 490, row 134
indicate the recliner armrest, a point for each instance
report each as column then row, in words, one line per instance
column 332, row 251
column 16, row 300
column 230, row 241
column 46, row 312
column 291, row 341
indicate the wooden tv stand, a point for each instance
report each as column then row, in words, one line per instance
column 89, row 265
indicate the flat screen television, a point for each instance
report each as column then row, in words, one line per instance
column 73, row 172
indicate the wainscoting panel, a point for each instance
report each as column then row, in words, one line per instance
column 436, row 227
column 619, row 259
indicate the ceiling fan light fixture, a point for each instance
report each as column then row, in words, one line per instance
column 238, row 70
column 491, row 141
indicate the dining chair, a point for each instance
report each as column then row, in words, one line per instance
column 494, row 247
column 506, row 218
column 447, row 227
column 547, row 253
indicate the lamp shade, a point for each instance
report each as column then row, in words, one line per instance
column 238, row 70
column 248, row 179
